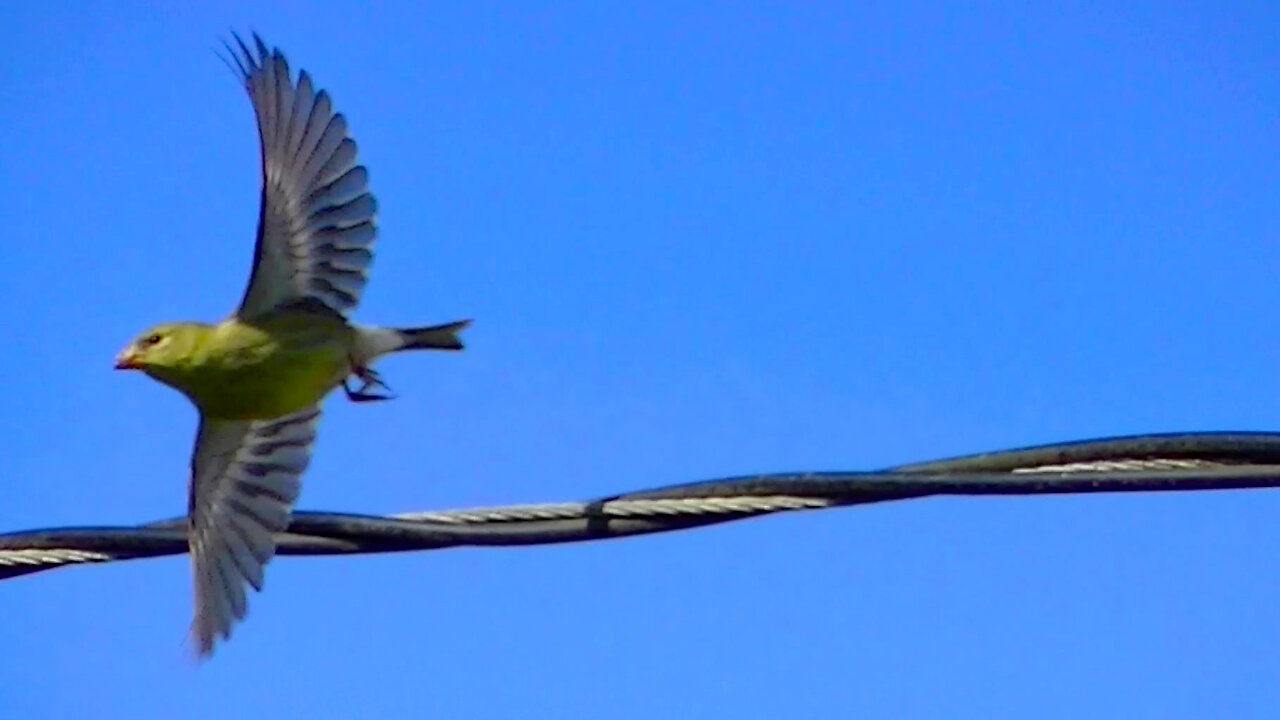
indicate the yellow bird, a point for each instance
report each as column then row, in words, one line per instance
column 259, row 376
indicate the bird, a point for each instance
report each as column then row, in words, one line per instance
column 258, row 377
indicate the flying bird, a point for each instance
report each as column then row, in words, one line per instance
column 258, row 377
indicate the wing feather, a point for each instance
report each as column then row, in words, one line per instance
column 314, row 194
column 245, row 478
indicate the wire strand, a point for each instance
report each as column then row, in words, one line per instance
column 1171, row 462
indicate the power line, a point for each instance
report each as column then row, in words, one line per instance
column 1172, row 462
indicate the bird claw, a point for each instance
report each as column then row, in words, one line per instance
column 368, row 380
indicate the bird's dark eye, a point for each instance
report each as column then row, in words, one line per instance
column 151, row 339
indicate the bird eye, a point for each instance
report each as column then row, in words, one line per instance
column 151, row 339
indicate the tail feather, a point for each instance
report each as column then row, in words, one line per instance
column 435, row 337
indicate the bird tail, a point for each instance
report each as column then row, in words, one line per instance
column 434, row 337
column 374, row 342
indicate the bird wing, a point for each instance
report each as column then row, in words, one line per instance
column 244, row 480
column 316, row 225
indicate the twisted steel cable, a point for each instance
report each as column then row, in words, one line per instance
column 1171, row 462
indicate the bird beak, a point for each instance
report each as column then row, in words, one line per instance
column 127, row 360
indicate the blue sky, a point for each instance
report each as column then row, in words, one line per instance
column 698, row 240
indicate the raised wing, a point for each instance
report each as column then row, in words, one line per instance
column 316, row 224
column 244, row 481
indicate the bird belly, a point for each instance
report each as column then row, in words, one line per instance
column 282, row 383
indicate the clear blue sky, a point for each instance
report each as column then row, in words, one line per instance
column 697, row 241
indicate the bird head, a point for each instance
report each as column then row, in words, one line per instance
column 160, row 349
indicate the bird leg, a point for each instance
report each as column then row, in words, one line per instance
column 368, row 380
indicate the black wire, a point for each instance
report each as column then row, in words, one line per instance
column 1170, row 462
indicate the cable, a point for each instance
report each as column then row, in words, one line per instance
column 1172, row 462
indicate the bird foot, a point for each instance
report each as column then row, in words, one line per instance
column 369, row 380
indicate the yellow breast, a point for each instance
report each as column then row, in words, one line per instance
column 272, row 366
